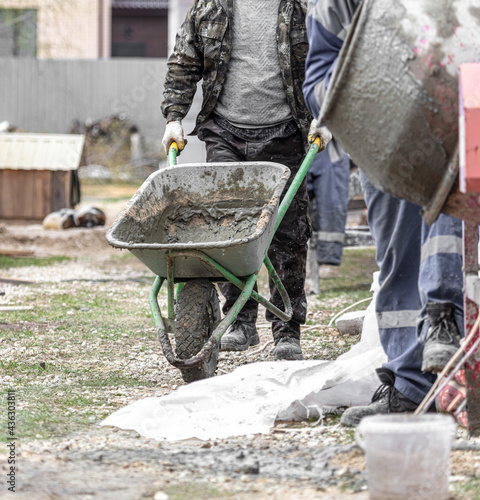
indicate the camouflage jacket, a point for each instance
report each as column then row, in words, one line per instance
column 203, row 48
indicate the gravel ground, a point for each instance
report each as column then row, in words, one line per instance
column 294, row 461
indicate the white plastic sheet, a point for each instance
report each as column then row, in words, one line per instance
column 250, row 399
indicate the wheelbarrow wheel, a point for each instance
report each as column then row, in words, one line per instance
column 197, row 315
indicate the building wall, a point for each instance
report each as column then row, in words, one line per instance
column 48, row 96
column 69, row 29
column 147, row 27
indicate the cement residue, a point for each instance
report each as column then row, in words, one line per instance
column 200, row 203
column 217, row 222
column 266, row 215
column 292, row 462
column 396, row 85
column 444, row 14
column 111, row 464
column 475, row 12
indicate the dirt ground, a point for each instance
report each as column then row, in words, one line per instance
column 293, row 461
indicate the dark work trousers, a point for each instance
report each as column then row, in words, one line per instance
column 288, row 250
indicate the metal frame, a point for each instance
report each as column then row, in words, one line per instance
column 471, row 312
column 165, row 325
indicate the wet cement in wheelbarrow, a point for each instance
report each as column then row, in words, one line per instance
column 226, row 220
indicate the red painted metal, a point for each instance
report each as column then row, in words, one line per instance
column 469, row 159
column 472, row 368
column 469, row 127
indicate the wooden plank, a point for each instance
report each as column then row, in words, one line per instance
column 2, row 196
column 43, row 191
column 26, row 201
column 18, row 193
column 9, row 193
column 17, row 253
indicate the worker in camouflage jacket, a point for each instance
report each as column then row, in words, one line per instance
column 251, row 58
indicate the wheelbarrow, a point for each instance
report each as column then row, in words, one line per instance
column 197, row 224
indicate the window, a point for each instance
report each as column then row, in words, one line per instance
column 18, row 32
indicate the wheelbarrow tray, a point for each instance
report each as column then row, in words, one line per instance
column 225, row 210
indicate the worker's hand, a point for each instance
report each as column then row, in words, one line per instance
column 173, row 133
column 317, row 131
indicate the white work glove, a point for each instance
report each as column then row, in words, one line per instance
column 317, row 131
column 173, row 133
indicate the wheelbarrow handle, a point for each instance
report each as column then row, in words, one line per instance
column 172, row 154
column 315, row 147
column 173, row 151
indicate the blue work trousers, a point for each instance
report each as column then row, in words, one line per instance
column 418, row 264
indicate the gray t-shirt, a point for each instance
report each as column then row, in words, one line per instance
column 253, row 94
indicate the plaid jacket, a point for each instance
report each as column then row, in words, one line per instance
column 203, row 48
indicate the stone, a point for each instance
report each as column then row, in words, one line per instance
column 350, row 323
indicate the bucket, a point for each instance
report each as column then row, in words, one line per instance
column 407, row 456
column 392, row 102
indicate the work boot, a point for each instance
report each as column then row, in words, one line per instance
column 443, row 338
column 386, row 399
column 287, row 348
column 240, row 335
column 286, row 335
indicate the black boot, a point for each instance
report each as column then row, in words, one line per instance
column 443, row 338
column 386, row 399
column 239, row 336
column 286, row 336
